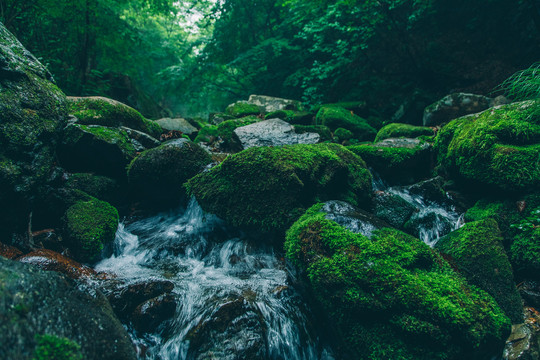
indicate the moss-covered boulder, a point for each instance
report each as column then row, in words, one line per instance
column 392, row 296
column 497, row 149
column 341, row 135
column 107, row 112
column 519, row 221
column 157, row 175
column 397, row 130
column 478, row 252
column 92, row 148
column 33, row 112
column 291, row 116
column 89, row 224
column 358, row 107
column 242, row 108
column 398, row 161
column 337, row 117
column 48, row 316
column 101, row 187
column 270, row 187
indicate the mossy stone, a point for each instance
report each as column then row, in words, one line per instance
column 100, row 149
column 497, row 149
column 477, row 250
column 157, row 175
column 323, row 131
column 225, row 132
column 396, row 130
column 291, row 116
column 399, row 161
column 33, row 112
column 336, row 117
column 107, row 112
column 341, row 134
column 241, row 109
column 101, row 187
column 89, row 225
column 392, row 296
column 270, row 187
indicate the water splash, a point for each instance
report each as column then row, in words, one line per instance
column 212, row 266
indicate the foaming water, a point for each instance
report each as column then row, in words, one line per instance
column 434, row 219
column 213, row 269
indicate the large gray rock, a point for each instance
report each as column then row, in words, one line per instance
column 273, row 132
column 453, row 106
column 34, row 302
column 177, row 124
column 33, row 112
column 268, row 103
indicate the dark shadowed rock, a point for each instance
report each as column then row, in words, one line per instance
column 49, row 260
column 454, row 106
column 34, row 303
column 151, row 313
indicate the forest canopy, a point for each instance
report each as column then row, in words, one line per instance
column 168, row 57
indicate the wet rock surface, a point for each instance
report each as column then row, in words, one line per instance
column 49, row 260
column 273, row 132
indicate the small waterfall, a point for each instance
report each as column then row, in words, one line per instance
column 216, row 272
column 435, row 219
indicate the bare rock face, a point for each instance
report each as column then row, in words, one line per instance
column 456, row 105
column 177, row 124
column 273, row 132
column 268, row 103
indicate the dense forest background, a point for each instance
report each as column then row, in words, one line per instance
column 189, row 58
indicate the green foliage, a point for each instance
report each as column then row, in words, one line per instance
column 88, row 226
column 523, row 85
column 282, row 183
column 336, row 117
column 498, row 147
column 51, row 347
column 396, row 130
column 477, row 249
column 392, row 296
column 525, row 249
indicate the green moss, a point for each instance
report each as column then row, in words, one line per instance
column 354, row 106
column 291, row 116
column 498, row 148
column 477, row 249
column 207, row 134
column 322, row 130
column 51, row 347
column 107, row 112
column 101, row 187
column 88, row 226
column 240, row 109
column 403, row 164
column 397, row 130
column 157, row 175
column 336, row 117
column 225, row 131
column 525, row 253
column 269, row 187
column 110, row 135
column 342, row 134
column 391, row 296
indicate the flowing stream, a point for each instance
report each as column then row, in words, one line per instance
column 226, row 280
column 212, row 267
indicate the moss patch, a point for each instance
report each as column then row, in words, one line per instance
column 398, row 164
column 225, row 132
column 291, row 116
column 89, row 225
column 241, row 109
column 477, row 249
column 336, row 117
column 270, row 187
column 108, row 112
column 157, row 175
column 51, row 347
column 498, row 148
column 391, row 296
column 397, row 130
